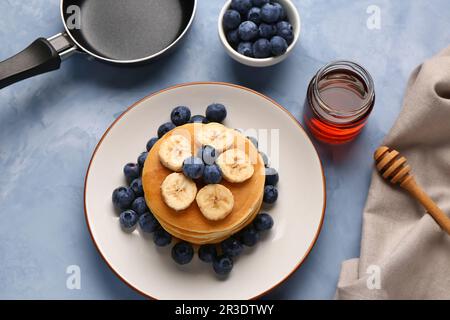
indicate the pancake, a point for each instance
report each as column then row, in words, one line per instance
column 203, row 238
column 190, row 223
column 212, row 239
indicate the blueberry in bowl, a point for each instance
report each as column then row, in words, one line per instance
column 242, row 6
column 271, row 13
column 248, row 31
column 232, row 19
column 246, row 49
column 254, row 15
column 262, row 48
column 259, row 33
column 267, row 31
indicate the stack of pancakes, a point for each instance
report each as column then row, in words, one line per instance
column 190, row 224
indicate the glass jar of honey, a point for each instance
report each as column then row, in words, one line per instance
column 339, row 100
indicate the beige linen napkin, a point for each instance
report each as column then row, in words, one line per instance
column 404, row 253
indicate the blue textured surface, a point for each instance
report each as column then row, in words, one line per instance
column 50, row 125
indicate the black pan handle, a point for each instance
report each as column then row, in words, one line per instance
column 40, row 57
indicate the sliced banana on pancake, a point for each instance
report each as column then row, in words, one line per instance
column 235, row 165
column 173, row 151
column 215, row 201
column 215, row 135
column 178, row 191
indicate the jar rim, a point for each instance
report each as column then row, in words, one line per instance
column 356, row 69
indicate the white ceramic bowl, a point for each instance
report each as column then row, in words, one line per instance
column 298, row 213
column 294, row 19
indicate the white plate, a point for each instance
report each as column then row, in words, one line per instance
column 298, row 213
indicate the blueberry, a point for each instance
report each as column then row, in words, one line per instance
column 180, row 115
column 284, row 25
column 139, row 206
column 270, row 194
column 267, row 31
column 254, row 141
column 249, row 236
column 128, row 219
column 216, row 112
column 286, row 35
column 263, row 222
column 231, row 19
column 248, row 31
column 141, row 160
column 207, row 252
column 199, row 119
column 193, row 167
column 285, row 30
column 265, row 159
column 148, row 223
column 262, row 48
column 246, row 49
column 122, row 198
column 270, row 13
column 231, row 247
column 151, row 143
column 222, row 265
column 164, row 128
column 272, row 177
column 208, row 154
column 254, row 15
column 137, row 187
column 182, row 253
column 233, row 37
column 212, row 174
column 260, row 3
column 242, row 6
column 280, row 10
column 279, row 46
column 131, row 171
column 161, row 237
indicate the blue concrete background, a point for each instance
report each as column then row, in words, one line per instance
column 50, row 125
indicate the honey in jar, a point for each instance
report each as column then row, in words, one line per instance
column 339, row 101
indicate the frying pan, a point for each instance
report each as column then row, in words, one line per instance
column 122, row 32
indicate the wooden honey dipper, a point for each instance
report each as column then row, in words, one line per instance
column 393, row 167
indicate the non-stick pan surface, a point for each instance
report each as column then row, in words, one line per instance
column 128, row 30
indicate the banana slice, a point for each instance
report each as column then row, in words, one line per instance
column 178, row 191
column 235, row 165
column 173, row 151
column 215, row 201
column 215, row 135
